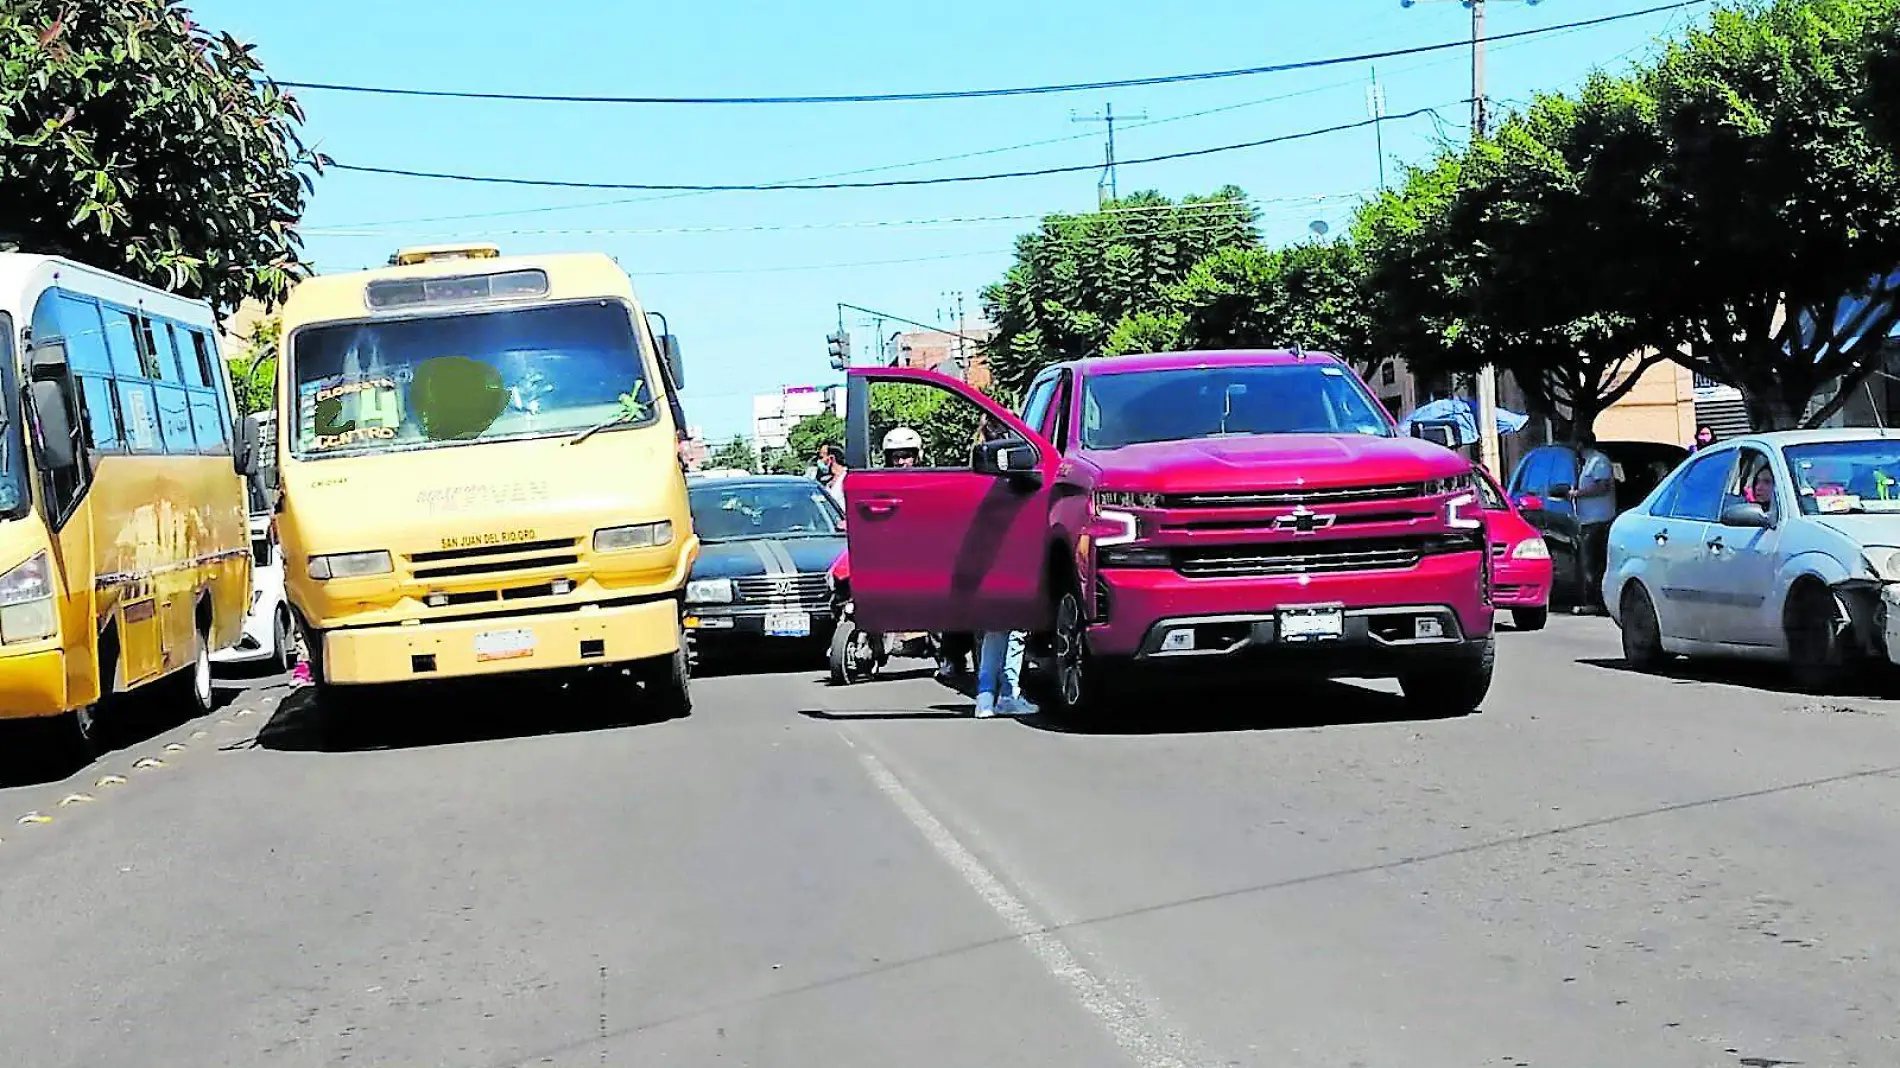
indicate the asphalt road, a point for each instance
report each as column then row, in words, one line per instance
column 1600, row 869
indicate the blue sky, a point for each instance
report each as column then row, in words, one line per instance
column 752, row 292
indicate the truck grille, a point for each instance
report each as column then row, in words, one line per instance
column 1293, row 497
column 495, row 559
column 1247, row 561
column 787, row 591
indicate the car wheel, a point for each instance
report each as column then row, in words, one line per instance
column 1816, row 625
column 1452, row 686
column 1530, row 618
column 191, row 685
column 1642, row 632
column 852, row 657
column 1079, row 674
column 285, row 656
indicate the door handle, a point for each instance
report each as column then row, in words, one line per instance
column 884, row 506
column 1662, row 537
column 1715, row 543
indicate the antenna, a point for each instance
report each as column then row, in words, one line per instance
column 1299, row 351
column 1874, row 405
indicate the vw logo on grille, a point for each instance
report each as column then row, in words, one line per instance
column 784, row 587
column 1303, row 520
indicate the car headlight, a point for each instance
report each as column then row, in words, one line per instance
column 1883, row 561
column 26, row 601
column 1464, row 512
column 636, row 536
column 1532, row 548
column 351, row 565
column 709, row 591
column 1450, row 484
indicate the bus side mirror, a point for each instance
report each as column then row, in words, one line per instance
column 675, row 363
column 244, row 451
column 56, row 426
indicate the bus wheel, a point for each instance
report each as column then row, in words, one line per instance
column 196, row 679
column 285, row 660
column 668, row 684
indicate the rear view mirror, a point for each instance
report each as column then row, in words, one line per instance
column 56, row 426
column 675, row 363
column 1559, row 491
column 1438, row 433
column 1007, row 458
column 1747, row 515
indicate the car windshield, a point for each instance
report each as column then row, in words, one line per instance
column 13, row 491
column 764, row 510
column 1188, row 403
column 450, row 380
column 1840, row 477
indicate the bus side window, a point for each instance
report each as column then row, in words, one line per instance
column 59, row 341
column 208, row 363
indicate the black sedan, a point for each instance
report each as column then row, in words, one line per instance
column 767, row 542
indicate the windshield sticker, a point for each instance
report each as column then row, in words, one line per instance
column 456, row 398
column 351, row 437
column 348, row 388
column 1831, row 503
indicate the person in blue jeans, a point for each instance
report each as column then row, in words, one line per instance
column 999, row 671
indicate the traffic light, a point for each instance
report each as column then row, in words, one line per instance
column 838, row 345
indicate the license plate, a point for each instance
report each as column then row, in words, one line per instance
column 1312, row 624
column 504, row 644
column 788, row 625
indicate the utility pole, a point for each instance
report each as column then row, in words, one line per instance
column 1105, row 189
column 1375, row 103
column 1487, row 376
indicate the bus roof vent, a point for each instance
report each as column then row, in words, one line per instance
column 409, row 257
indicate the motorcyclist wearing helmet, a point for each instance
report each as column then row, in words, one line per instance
column 903, row 448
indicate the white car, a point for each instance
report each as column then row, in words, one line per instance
column 1781, row 546
column 268, row 638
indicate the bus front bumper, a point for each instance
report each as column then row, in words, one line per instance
column 32, row 684
column 591, row 637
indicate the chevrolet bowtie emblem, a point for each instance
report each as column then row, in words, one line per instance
column 1303, row 520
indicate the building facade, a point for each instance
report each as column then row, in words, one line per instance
column 775, row 414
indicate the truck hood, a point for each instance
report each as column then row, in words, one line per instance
column 1273, row 462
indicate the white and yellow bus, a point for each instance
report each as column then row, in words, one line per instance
column 478, row 473
column 124, row 554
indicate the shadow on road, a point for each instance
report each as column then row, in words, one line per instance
column 1754, row 674
column 453, row 712
column 1216, row 708
column 34, row 752
column 712, row 661
column 855, row 715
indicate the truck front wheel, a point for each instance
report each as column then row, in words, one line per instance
column 1081, row 678
column 1453, row 686
column 667, row 681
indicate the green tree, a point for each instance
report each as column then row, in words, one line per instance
column 1307, row 295
column 946, row 423
column 1776, row 212
column 1079, row 276
column 734, row 455
column 135, row 141
column 802, row 441
column 254, row 371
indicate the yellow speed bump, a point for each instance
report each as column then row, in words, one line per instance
column 175, row 747
column 110, row 780
column 75, row 799
column 35, row 817
column 148, row 762
column 200, row 734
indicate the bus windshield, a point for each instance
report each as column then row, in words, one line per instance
column 447, row 380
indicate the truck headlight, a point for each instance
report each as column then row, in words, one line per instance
column 1464, row 512
column 1531, row 549
column 351, row 565
column 636, row 536
column 26, row 602
column 709, row 591
column 1450, row 484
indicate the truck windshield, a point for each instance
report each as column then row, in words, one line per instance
column 1187, row 403
column 14, row 496
column 729, row 513
column 449, row 380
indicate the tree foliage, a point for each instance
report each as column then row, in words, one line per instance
column 1307, row 295
column 1078, row 277
column 734, row 455
column 946, row 422
column 133, row 140
column 254, row 371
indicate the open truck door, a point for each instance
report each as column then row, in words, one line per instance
column 961, row 541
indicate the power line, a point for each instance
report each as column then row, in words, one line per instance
column 889, row 183
column 978, row 94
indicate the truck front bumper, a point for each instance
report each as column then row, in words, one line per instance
column 1386, row 618
column 591, row 636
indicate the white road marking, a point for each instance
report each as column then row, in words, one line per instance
column 1126, row 1023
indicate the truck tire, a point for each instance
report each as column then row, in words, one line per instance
column 853, row 654
column 1530, row 618
column 1454, row 686
column 668, row 682
column 1079, row 674
column 284, row 658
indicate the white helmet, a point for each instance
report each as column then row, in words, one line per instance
column 903, row 438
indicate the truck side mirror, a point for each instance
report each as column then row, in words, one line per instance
column 1010, row 458
column 675, row 363
column 56, row 426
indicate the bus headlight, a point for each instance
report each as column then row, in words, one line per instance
column 26, row 602
column 637, row 536
column 709, row 591
column 351, row 565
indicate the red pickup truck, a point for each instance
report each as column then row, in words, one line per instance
column 1195, row 510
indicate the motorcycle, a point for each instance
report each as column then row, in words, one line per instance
column 857, row 654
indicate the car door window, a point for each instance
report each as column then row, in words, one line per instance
column 1036, row 405
column 1753, row 482
column 1057, row 430
column 1532, row 474
column 1698, row 495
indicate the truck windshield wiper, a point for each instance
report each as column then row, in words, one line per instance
column 616, row 420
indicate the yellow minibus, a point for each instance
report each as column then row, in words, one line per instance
column 125, row 558
column 478, row 473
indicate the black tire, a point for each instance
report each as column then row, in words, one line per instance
column 285, row 658
column 1530, row 618
column 1642, row 631
column 1081, row 678
column 1454, row 686
column 849, row 651
column 188, row 690
column 668, row 683
column 1818, row 628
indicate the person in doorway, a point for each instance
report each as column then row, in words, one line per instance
column 903, row 448
column 1704, row 437
column 1595, row 499
column 831, row 471
column 999, row 670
